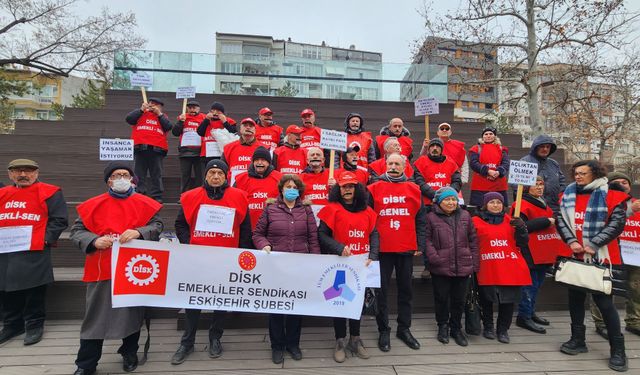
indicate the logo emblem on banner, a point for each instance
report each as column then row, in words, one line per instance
column 339, row 288
column 141, row 271
column 247, row 261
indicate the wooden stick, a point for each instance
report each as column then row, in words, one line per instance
column 184, row 106
column 426, row 127
column 516, row 212
column 144, row 95
column 332, row 160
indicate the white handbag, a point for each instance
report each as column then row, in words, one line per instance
column 585, row 274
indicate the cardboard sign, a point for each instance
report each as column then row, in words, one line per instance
column 190, row 139
column 187, row 92
column 426, row 106
column 116, row 149
column 212, row 149
column 141, row 79
column 630, row 252
column 216, row 219
column 522, row 173
column 333, row 140
column 14, row 239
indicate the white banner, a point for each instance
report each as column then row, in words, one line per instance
column 13, row 239
column 426, row 106
column 630, row 252
column 333, row 140
column 187, row 92
column 141, row 79
column 160, row 274
column 116, row 149
column 522, row 173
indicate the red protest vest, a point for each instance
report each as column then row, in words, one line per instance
column 362, row 140
column 238, row 156
column 396, row 205
column 290, row 160
column 455, row 151
column 491, row 155
column 349, row 228
column 316, row 187
column 501, row 262
column 105, row 215
column 632, row 228
column 233, row 198
column 148, row 131
column 258, row 191
column 614, row 198
column 310, row 137
column 436, row 175
column 27, row 206
column 208, row 134
column 406, row 144
column 191, row 123
column 545, row 245
column 361, row 175
column 380, row 167
column 268, row 136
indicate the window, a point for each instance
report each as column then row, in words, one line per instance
column 231, row 67
column 42, row 115
column 231, row 48
column 19, row 113
column 231, row 87
column 333, row 91
column 340, row 54
column 256, row 52
column 311, row 52
column 367, row 56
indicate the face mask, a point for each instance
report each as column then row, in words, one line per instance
column 291, row 194
column 121, row 185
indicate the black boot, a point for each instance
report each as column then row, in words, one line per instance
column 488, row 331
column 443, row 333
column 618, row 360
column 576, row 344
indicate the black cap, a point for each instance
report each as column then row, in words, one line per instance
column 219, row 106
column 261, row 153
column 193, row 102
column 436, row 141
column 219, row 164
column 490, row 129
column 156, row 100
column 112, row 166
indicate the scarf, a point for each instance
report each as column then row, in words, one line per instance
column 124, row 195
column 386, row 177
column 595, row 215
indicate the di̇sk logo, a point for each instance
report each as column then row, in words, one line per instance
column 141, row 271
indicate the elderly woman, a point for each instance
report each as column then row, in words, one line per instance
column 452, row 253
column 287, row 224
column 591, row 218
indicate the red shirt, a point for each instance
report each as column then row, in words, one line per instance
column 316, row 187
column 362, row 140
column 455, row 151
column 210, row 138
column 290, row 160
column 349, row 228
column 545, row 245
column 310, row 137
column 258, row 191
column 238, row 157
column 269, row 136
column 490, row 155
column 191, row 123
column 148, row 131
column 436, row 175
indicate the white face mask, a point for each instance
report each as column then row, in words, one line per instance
column 121, row 185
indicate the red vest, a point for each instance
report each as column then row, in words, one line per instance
column 396, row 205
column 238, row 157
column 268, row 136
column 191, row 125
column 105, row 215
column 436, row 175
column 455, row 151
column 545, row 245
column 316, row 187
column 349, row 228
column 361, row 174
column 148, row 131
column 290, row 160
column 632, row 228
column 380, row 167
column 208, row 135
column 362, row 140
column 258, row 191
column 501, row 262
column 491, row 155
column 406, row 144
column 310, row 137
column 27, row 206
column 233, row 198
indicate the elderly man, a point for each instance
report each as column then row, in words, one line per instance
column 350, row 160
column 357, row 137
column 395, row 129
column 391, row 146
column 215, row 192
column 451, row 148
column 119, row 214
column 260, row 182
column 542, row 148
column 215, row 119
column 316, row 178
column 268, row 133
column 190, row 145
column 401, row 225
column 32, row 217
column 435, row 170
column 149, row 133
column 310, row 136
column 290, row 157
column 237, row 154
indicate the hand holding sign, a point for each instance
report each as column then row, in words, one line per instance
column 143, row 80
column 185, row 93
column 425, row 107
column 521, row 173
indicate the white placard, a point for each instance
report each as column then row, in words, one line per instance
column 373, row 276
column 630, row 252
column 116, row 149
column 13, row 239
column 333, row 140
column 141, row 79
column 426, row 106
column 212, row 149
column 187, row 92
column 522, row 173
column 190, row 138
column 216, row 219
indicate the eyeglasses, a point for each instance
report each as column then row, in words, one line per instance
column 116, row 176
column 581, row 174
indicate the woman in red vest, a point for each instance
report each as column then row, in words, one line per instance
column 592, row 216
column 347, row 227
column 489, row 161
column 503, row 270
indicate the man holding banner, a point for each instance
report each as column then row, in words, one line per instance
column 32, row 217
column 121, row 215
column 214, row 214
column 190, row 143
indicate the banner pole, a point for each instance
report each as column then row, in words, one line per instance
column 516, row 212
column 332, row 160
column 144, row 94
column 184, row 106
column 426, row 127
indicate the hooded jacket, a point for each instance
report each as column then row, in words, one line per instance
column 549, row 169
column 385, row 131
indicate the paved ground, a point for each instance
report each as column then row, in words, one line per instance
column 247, row 351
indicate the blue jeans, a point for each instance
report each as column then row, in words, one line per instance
column 527, row 305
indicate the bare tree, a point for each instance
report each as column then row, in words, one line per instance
column 533, row 32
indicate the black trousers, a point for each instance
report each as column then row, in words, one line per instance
column 403, row 265
column 149, row 161
column 284, row 331
column 505, row 314
column 24, row 308
column 340, row 327
column 216, row 329
column 605, row 305
column 187, row 164
column 91, row 350
column 449, row 294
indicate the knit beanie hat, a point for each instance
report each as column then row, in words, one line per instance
column 217, row 163
column 114, row 165
column 436, row 141
column 490, row 196
column 490, row 129
column 261, row 153
column 444, row 192
column 617, row 176
column 217, row 105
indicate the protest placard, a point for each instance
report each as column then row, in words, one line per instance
column 116, row 149
column 521, row 173
column 426, row 106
